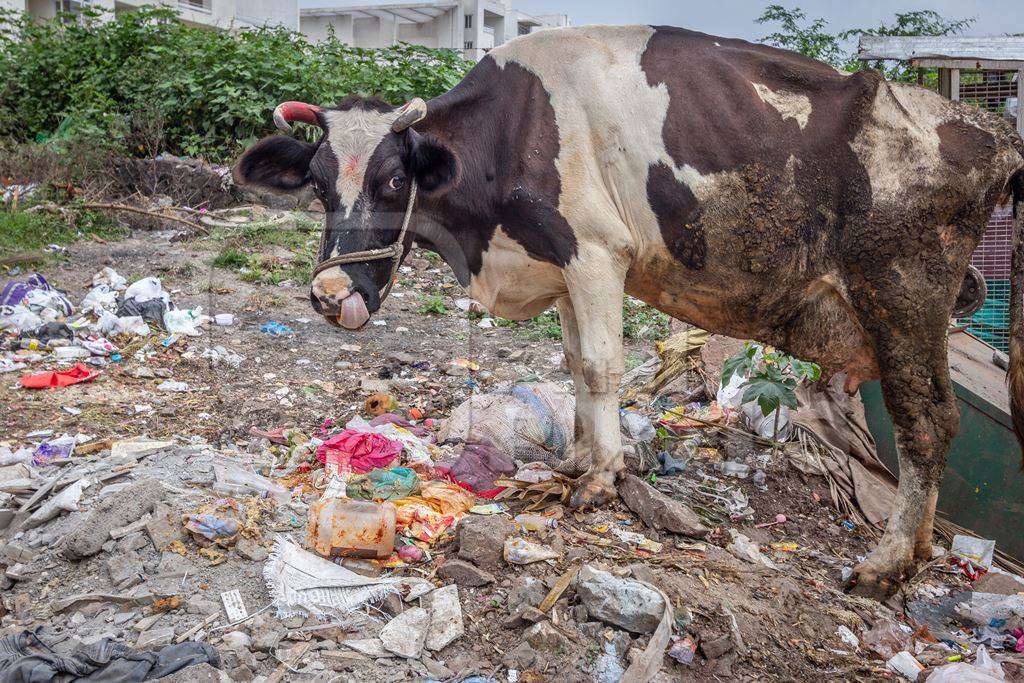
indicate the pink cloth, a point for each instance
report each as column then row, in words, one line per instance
column 357, row 451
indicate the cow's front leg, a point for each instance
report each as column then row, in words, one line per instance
column 583, row 430
column 595, row 294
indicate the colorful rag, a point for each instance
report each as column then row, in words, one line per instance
column 352, row 451
column 35, row 290
column 397, row 482
column 62, row 378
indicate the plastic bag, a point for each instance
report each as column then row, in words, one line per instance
column 19, row 318
column 100, row 298
column 145, row 289
column 232, row 480
column 984, row 670
column 528, row 422
column 397, row 482
column 184, row 321
column 109, row 277
column 636, row 425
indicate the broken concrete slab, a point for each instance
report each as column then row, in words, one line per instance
column 125, row 570
column 657, row 510
column 165, row 527
column 464, row 574
column 446, row 623
column 406, row 634
column 481, row 539
column 371, row 647
column 156, row 637
column 114, row 511
column 625, row 603
column 544, row 636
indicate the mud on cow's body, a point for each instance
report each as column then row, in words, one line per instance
column 748, row 190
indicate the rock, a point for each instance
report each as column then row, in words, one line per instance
column 657, row 510
column 173, row 566
column 745, row 549
column 125, row 570
column 266, row 635
column 526, row 591
column 437, row 669
column 446, row 623
column 198, row 605
column 339, row 660
column 625, row 603
column 521, row 657
column 544, row 636
column 124, row 617
column 18, row 572
column 406, row 634
column 716, row 647
column 237, row 640
column 145, row 623
column 241, row 674
column 464, row 574
column 165, row 527
column 641, row 572
column 481, row 539
column 16, row 551
column 250, row 549
column 115, row 511
column 523, row 616
column 155, row 638
column 371, row 647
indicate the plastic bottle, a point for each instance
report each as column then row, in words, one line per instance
column 232, row 480
column 731, row 468
column 636, row 425
column 536, row 522
column 340, row 527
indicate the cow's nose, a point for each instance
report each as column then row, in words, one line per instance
column 328, row 290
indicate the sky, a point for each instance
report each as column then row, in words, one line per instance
column 736, row 18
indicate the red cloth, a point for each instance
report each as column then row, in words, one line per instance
column 63, row 378
column 358, row 451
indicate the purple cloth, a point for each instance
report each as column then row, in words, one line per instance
column 399, row 421
column 478, row 465
column 14, row 293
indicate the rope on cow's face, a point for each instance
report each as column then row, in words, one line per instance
column 393, row 251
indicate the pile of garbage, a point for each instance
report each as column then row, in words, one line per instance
column 41, row 324
column 442, row 547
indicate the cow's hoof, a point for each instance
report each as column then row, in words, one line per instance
column 592, row 492
column 876, row 579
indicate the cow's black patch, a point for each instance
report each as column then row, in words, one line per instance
column 678, row 215
column 500, row 125
column 717, row 122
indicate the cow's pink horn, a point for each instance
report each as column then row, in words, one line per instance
column 295, row 111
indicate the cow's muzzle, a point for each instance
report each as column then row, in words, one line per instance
column 333, row 296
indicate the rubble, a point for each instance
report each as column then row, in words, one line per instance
column 197, row 529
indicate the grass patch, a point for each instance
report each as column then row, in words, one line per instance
column 241, row 252
column 433, row 304
column 22, row 231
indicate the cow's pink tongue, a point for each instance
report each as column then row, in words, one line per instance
column 353, row 312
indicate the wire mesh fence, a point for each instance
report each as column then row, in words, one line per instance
column 995, row 91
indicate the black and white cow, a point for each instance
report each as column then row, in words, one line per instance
column 748, row 190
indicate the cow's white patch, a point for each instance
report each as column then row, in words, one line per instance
column 790, row 105
column 353, row 135
column 511, row 283
column 903, row 118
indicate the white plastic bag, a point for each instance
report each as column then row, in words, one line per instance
column 984, row 670
column 18, row 318
column 109, row 277
column 100, row 298
column 145, row 289
column 184, row 321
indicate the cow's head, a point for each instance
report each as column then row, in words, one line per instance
column 361, row 169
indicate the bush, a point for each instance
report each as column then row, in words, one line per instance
column 152, row 83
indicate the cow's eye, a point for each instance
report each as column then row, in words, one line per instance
column 396, row 182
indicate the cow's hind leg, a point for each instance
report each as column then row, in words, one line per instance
column 583, row 431
column 918, row 393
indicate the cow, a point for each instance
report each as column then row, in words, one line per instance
column 748, row 190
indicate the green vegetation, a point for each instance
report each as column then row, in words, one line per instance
column 24, row 231
column 433, row 304
column 149, row 83
column 267, row 252
column 810, row 37
column 640, row 322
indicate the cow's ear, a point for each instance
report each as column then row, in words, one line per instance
column 432, row 162
column 278, row 162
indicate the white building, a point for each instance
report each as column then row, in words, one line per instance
column 225, row 14
column 474, row 26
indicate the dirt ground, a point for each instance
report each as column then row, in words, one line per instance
column 751, row 622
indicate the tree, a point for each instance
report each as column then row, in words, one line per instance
column 812, row 38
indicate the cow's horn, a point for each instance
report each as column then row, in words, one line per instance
column 295, row 111
column 412, row 111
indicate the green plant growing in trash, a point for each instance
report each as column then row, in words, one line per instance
column 772, row 378
column 433, row 304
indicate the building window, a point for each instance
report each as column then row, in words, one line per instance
column 469, row 21
column 468, row 45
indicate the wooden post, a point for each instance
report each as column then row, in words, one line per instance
column 954, row 84
column 944, row 82
column 1020, row 102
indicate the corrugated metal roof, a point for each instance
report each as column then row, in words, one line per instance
column 993, row 48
